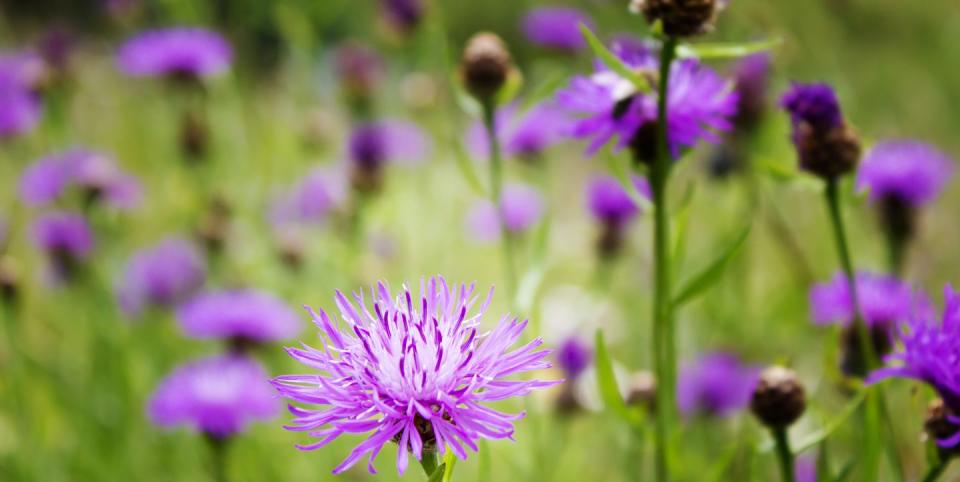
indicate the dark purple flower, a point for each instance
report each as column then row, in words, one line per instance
column 610, row 203
column 573, row 356
column 909, row 171
column 700, row 103
column 717, row 384
column 751, row 77
column 827, row 145
column 813, row 104
column 521, row 207
column 883, row 299
column 218, row 396
column 67, row 241
column 405, row 15
column 175, row 52
column 358, row 67
column 238, row 314
column 556, row 27
column 161, row 276
column 310, row 200
column 417, row 371
column 20, row 106
column 524, row 134
column 377, row 143
column 56, row 46
column 94, row 173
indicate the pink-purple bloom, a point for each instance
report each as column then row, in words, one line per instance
column 521, row 134
column 375, row 144
column 161, row 276
column 699, row 103
column 573, row 356
column 175, row 52
column 405, row 15
column 94, row 174
column 218, row 396
column 555, row 27
column 241, row 314
column 751, row 78
column 716, row 384
column 520, row 205
column 20, row 105
column 610, row 203
column 883, row 299
column 310, row 200
column 417, row 370
column 909, row 171
column 66, row 239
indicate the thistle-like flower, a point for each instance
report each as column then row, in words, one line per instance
column 827, row 145
column 520, row 205
column 94, row 175
column 610, row 204
column 717, row 384
column 680, row 18
column 556, row 27
column 161, row 276
column 243, row 316
column 485, row 66
column 67, row 241
column 417, row 371
column 178, row 53
column 524, row 135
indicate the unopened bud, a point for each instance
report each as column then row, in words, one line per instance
column 485, row 66
column 642, row 391
column 779, row 398
column 680, row 18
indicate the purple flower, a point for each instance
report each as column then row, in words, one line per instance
column 358, row 67
column 374, row 144
column 717, row 384
column 930, row 352
column 20, row 106
column 524, row 134
column 416, row 371
column 555, row 27
column 218, row 396
column 66, row 239
column 161, row 276
column 175, row 52
column 238, row 314
column 751, row 76
column 700, row 102
column 521, row 206
column 309, row 201
column 883, row 299
column 610, row 203
column 96, row 174
column 806, row 469
column 815, row 105
column 405, row 15
column 573, row 356
column 909, row 171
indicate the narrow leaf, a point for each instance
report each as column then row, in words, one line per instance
column 613, row 62
column 607, row 381
column 621, row 172
column 681, row 228
column 712, row 272
column 449, row 462
column 725, row 50
column 814, row 438
column 466, row 166
column 438, row 474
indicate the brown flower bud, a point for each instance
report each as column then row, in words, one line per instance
column 485, row 66
column 680, row 18
column 642, row 390
column 828, row 154
column 779, row 398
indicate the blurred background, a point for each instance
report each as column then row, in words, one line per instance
column 216, row 160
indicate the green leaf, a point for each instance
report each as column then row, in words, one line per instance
column 438, row 474
column 725, row 50
column 621, row 171
column 680, row 228
column 613, row 62
column 846, row 471
column 607, row 382
column 510, row 90
column 449, row 462
column 466, row 166
column 711, row 273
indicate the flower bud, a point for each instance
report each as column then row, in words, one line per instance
column 828, row 154
column 642, row 391
column 680, row 18
column 779, row 398
column 194, row 136
column 485, row 66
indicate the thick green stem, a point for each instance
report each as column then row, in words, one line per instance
column 496, row 191
column 784, row 454
column 218, row 458
column 663, row 338
column 429, row 462
column 934, row 472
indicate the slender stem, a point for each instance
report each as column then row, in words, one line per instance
column 218, row 457
column 428, row 461
column 934, row 472
column 663, row 339
column 896, row 248
column 784, row 454
column 496, row 190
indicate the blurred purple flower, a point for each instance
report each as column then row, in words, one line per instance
column 417, row 371
column 161, row 276
column 521, row 205
column 175, row 52
column 377, row 143
column 610, row 203
column 883, row 299
column 700, row 102
column 909, row 171
column 524, row 134
column 238, row 314
column 310, row 200
column 66, row 239
column 96, row 174
column 405, row 15
column 20, row 106
column 56, row 46
column 218, row 396
column 573, row 356
column 717, row 384
column 815, row 105
column 556, row 27
column 358, row 67
column 805, row 469
column 751, row 78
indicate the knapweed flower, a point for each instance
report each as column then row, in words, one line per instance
column 161, row 276
column 699, row 103
column 573, row 356
column 610, row 204
column 241, row 315
column 404, row 15
column 217, row 396
column 414, row 370
column 521, row 207
column 524, row 135
column 828, row 147
column 556, row 27
column 680, row 18
column 310, row 200
column 65, row 238
column 359, row 69
column 371, row 146
column 96, row 176
column 751, row 77
column 929, row 353
column 20, row 104
column 717, row 384
column 187, row 53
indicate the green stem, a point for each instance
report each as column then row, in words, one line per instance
column 896, row 247
column 218, row 452
column 428, row 461
column 496, row 190
column 663, row 338
column 784, row 454
column 936, row 471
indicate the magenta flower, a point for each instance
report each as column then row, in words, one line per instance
column 883, row 299
column 610, row 203
column 375, row 144
column 175, row 52
column 752, row 77
column 524, row 135
column 555, row 27
column 908, row 171
column 521, row 206
column 717, row 384
column 573, row 356
column 161, row 276
column 66, row 239
column 218, row 396
column 238, row 314
column 310, row 200
column 20, row 106
column 417, row 371
column 95, row 175
column 405, row 15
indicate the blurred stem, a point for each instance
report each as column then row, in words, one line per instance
column 663, row 337
column 896, row 248
column 934, row 472
column 496, row 191
column 218, row 455
column 428, row 460
column 784, row 454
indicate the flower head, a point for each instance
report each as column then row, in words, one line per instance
column 95, row 174
column 555, row 27
column 680, row 18
column 162, row 275
column 310, row 200
column 415, row 370
column 520, row 205
column 827, row 145
column 359, row 69
column 20, row 105
column 180, row 52
column 405, row 15
column 909, row 171
column 751, row 76
column 573, row 356
column 525, row 135
column 610, row 203
column 66, row 239
column 716, row 384
column 218, row 396
column 485, row 66
column 883, row 300
column 238, row 314
column 372, row 145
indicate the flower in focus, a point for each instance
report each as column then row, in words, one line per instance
column 828, row 147
column 699, row 103
column 66, row 239
column 161, row 276
column 372, row 145
column 415, row 370
column 525, row 135
column 20, row 105
column 176, row 52
column 521, row 206
column 240, row 315
column 218, row 396
column 556, row 27
column 95, row 174
column 717, row 384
